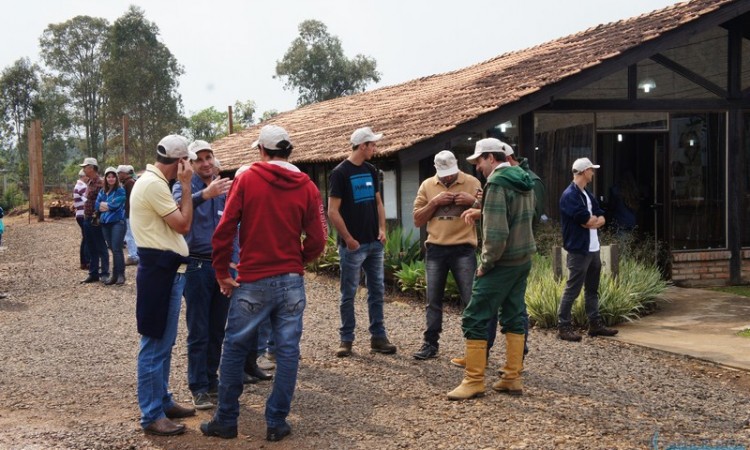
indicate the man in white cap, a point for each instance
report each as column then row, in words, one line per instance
column 98, row 253
column 205, row 306
column 581, row 217
column 158, row 226
column 505, row 262
column 355, row 208
column 275, row 205
column 79, row 201
column 126, row 174
column 451, row 243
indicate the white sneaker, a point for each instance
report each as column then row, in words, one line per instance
column 265, row 363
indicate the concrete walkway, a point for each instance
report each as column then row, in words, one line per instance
column 698, row 323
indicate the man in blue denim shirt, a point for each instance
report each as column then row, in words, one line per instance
column 205, row 306
column 356, row 210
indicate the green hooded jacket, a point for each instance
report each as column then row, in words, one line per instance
column 507, row 212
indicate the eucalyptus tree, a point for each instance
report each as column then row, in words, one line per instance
column 315, row 65
column 19, row 92
column 75, row 51
column 141, row 81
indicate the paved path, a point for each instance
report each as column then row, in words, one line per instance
column 698, row 323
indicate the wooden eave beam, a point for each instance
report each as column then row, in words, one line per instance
column 684, row 72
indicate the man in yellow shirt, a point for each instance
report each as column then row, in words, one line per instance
column 451, row 243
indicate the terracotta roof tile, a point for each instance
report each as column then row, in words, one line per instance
column 416, row 110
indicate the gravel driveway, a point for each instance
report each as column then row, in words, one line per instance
column 67, row 376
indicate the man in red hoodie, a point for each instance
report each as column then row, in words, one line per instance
column 274, row 205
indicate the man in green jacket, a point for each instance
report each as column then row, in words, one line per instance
column 500, row 283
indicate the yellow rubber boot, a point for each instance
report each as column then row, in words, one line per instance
column 510, row 382
column 459, row 361
column 473, row 382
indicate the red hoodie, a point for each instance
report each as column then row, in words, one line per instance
column 274, row 207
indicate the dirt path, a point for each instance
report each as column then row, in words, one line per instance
column 67, row 377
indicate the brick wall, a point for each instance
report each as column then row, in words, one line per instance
column 706, row 268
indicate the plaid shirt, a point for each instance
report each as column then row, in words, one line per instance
column 92, row 190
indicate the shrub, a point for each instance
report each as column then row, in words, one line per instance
column 411, row 277
column 399, row 249
column 329, row 260
column 626, row 297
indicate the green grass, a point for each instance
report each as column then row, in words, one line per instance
column 742, row 291
column 744, row 333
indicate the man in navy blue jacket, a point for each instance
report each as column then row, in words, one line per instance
column 581, row 216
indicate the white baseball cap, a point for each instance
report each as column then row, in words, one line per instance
column 271, row 136
column 89, row 162
column 124, row 168
column 446, row 164
column 174, row 146
column 199, row 146
column 362, row 135
column 581, row 164
column 489, row 145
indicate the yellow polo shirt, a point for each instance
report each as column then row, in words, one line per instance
column 150, row 202
column 445, row 227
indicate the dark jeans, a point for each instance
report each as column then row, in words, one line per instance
column 583, row 272
column 461, row 260
column 206, row 316
column 97, row 249
column 84, row 249
column 114, row 235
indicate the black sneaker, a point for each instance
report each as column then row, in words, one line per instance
column 567, row 333
column 427, row 351
column 275, row 434
column 223, row 431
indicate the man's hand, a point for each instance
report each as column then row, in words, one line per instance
column 352, row 244
column 184, row 172
column 227, row 285
column 464, row 199
column 480, row 272
column 217, row 187
column 443, row 199
column 471, row 215
column 382, row 236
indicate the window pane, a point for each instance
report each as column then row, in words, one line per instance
column 631, row 121
column 560, row 139
column 705, row 54
column 697, row 143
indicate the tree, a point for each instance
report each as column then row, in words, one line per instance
column 315, row 65
column 208, row 124
column 58, row 146
column 242, row 114
column 141, row 81
column 19, row 89
column 268, row 114
column 75, row 50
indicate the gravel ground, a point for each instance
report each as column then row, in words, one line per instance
column 67, row 377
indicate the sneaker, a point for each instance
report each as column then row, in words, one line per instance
column 567, row 333
column 131, row 261
column 426, row 352
column 382, row 345
column 223, row 431
column 345, row 349
column 203, row 401
column 275, row 434
column 264, row 361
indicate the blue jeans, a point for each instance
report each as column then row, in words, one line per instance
column 368, row 257
column 130, row 242
column 206, row 315
column 583, row 272
column 114, row 233
column 461, row 260
column 97, row 249
column 154, row 360
column 282, row 298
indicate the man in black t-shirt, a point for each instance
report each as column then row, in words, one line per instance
column 355, row 209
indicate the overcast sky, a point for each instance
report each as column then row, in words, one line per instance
column 229, row 48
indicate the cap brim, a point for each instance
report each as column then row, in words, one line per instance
column 446, row 172
column 255, row 144
column 192, row 156
column 595, row 166
column 377, row 137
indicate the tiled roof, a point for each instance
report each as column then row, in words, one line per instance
column 411, row 112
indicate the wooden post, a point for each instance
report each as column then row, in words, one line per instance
column 125, row 141
column 36, row 174
column 231, row 123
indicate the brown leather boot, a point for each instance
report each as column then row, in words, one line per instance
column 597, row 328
